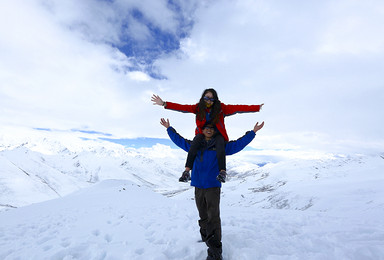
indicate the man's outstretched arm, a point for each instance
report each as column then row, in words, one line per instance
column 174, row 136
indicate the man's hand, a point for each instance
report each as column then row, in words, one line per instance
column 157, row 100
column 258, row 127
column 164, row 123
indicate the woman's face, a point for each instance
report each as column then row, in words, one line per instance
column 208, row 98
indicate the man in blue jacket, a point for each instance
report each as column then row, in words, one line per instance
column 207, row 186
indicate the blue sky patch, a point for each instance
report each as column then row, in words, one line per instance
column 43, row 129
column 140, row 142
column 160, row 43
column 91, row 132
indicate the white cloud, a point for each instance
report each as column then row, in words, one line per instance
column 156, row 12
column 271, row 55
column 306, row 61
column 353, row 28
column 139, row 76
column 138, row 30
column 53, row 78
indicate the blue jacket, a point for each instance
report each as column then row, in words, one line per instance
column 205, row 168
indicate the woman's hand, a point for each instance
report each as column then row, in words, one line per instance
column 157, row 100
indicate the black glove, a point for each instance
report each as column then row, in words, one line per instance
column 185, row 177
column 222, row 176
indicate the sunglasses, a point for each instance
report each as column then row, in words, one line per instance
column 209, row 99
column 209, row 127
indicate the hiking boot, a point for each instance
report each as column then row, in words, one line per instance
column 214, row 254
column 185, row 177
column 203, row 235
column 215, row 249
column 222, row 176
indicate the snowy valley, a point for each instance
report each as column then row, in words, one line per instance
column 88, row 199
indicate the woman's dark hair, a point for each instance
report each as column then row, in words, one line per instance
column 215, row 109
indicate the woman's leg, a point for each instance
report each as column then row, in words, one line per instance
column 196, row 143
column 220, row 152
column 185, row 177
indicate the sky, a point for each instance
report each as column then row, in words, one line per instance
column 93, row 66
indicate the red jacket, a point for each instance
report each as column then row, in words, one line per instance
column 226, row 110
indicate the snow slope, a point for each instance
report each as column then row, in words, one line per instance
column 96, row 201
column 110, row 220
column 39, row 170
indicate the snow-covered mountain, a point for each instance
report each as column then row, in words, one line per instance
column 36, row 171
column 98, row 200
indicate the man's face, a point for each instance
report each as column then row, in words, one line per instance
column 208, row 131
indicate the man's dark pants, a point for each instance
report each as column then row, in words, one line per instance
column 208, row 205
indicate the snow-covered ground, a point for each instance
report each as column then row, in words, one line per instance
column 97, row 200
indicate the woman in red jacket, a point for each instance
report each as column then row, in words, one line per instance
column 208, row 110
